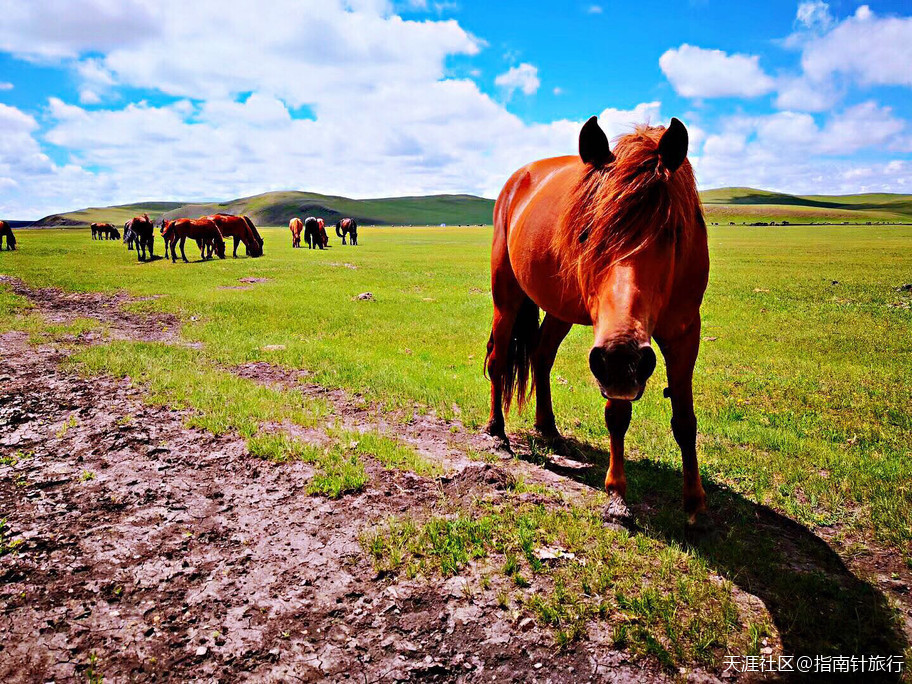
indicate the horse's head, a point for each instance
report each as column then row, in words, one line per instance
column 219, row 242
column 632, row 209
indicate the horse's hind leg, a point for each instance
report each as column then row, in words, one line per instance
column 512, row 336
column 552, row 333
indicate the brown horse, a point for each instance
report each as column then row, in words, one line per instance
column 347, row 226
column 7, row 232
column 296, row 226
column 204, row 231
column 144, row 235
column 324, row 238
column 615, row 240
column 103, row 231
column 241, row 229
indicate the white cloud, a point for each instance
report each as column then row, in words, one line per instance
column 700, row 73
column 791, row 152
column 814, row 15
column 594, row 9
column 523, row 77
column 869, row 49
column 617, row 122
column 5, row 85
column 802, row 94
column 89, row 97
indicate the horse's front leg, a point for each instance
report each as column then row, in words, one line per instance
column 236, row 241
column 552, row 333
column 183, row 240
column 680, row 357
column 617, row 420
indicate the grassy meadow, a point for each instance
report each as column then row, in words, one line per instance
column 801, row 389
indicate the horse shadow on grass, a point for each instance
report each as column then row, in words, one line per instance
column 819, row 606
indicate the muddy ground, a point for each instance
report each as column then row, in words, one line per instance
column 150, row 551
column 154, row 552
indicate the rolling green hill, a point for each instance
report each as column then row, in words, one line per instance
column 276, row 208
column 722, row 205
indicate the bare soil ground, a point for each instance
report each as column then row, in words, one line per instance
column 151, row 551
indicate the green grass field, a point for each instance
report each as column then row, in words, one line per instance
column 802, row 385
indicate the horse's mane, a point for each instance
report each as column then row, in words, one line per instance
column 618, row 209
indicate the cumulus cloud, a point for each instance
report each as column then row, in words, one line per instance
column 814, row 15
column 6, row 85
column 701, row 73
column 790, row 151
column 870, row 50
column 523, row 77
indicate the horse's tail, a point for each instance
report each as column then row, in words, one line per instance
column 517, row 366
column 339, row 229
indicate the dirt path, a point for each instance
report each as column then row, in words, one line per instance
column 156, row 552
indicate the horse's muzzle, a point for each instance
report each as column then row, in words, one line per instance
column 622, row 369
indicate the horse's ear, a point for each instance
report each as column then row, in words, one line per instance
column 673, row 145
column 593, row 144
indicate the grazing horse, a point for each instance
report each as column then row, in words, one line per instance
column 611, row 239
column 204, row 231
column 347, row 226
column 241, row 229
column 296, row 226
column 102, row 231
column 114, row 233
column 312, row 233
column 324, row 238
column 7, row 232
column 144, row 231
column 130, row 238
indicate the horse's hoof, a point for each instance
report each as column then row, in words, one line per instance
column 554, row 441
column 695, row 507
column 499, row 437
column 616, row 510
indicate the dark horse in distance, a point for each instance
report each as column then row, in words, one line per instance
column 129, row 237
column 314, row 234
column 7, row 232
column 613, row 239
column 143, row 235
column 347, row 226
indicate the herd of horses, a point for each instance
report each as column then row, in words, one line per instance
column 314, row 231
column 210, row 232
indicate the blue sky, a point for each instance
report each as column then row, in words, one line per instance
column 111, row 102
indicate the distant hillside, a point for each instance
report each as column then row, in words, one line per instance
column 748, row 205
column 276, row 208
column 722, row 205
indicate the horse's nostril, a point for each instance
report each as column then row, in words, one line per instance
column 598, row 363
column 646, row 365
